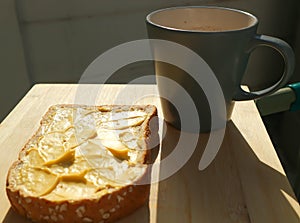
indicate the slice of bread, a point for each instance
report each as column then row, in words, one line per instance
column 85, row 164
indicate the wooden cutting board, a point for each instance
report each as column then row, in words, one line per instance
column 244, row 183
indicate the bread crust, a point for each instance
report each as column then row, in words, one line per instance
column 107, row 208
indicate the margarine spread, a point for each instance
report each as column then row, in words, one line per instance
column 83, row 152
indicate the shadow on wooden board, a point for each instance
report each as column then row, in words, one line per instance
column 235, row 187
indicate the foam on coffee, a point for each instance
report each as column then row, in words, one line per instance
column 202, row 19
column 206, row 28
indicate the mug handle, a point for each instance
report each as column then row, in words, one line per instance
column 289, row 59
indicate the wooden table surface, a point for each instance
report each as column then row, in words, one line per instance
column 244, row 183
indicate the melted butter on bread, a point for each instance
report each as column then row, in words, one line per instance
column 83, row 152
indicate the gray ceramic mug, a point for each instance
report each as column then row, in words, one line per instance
column 224, row 38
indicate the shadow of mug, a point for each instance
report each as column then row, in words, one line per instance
column 238, row 186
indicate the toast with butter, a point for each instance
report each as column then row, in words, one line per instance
column 85, row 164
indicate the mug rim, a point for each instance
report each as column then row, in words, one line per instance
column 148, row 19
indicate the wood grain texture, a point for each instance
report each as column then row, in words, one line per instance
column 267, row 192
column 245, row 182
